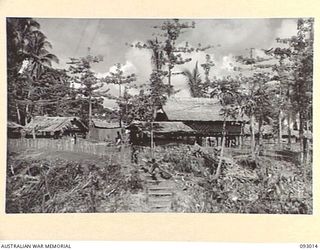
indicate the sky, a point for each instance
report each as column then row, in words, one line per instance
column 109, row 38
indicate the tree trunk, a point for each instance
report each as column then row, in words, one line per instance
column 90, row 117
column 218, row 172
column 241, row 135
column 33, row 133
column 301, row 127
column 289, row 130
column 27, row 106
column 26, row 115
column 151, row 133
column 307, row 150
column 151, row 140
column 169, row 80
column 260, row 138
column 120, row 113
column 18, row 114
column 280, row 129
column 253, row 140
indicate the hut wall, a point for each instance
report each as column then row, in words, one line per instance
column 102, row 134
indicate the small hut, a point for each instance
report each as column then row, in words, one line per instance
column 14, row 129
column 55, row 127
column 103, row 130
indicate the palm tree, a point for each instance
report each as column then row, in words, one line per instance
column 19, row 32
column 194, row 82
column 25, row 43
column 39, row 56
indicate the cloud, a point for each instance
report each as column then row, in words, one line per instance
column 128, row 68
column 287, row 29
column 141, row 59
column 107, row 37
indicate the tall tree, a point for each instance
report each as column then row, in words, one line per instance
column 90, row 89
column 257, row 94
column 301, row 47
column 27, row 59
column 227, row 92
column 295, row 76
column 256, row 103
column 120, row 78
column 167, row 51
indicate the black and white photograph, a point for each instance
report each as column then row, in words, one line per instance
column 159, row 115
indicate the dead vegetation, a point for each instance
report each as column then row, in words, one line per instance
column 264, row 185
column 59, row 185
column 64, row 186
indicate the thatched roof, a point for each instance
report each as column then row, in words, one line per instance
column 98, row 123
column 162, row 127
column 13, row 125
column 195, row 109
column 53, row 124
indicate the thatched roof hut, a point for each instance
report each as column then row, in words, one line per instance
column 203, row 115
column 45, row 125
